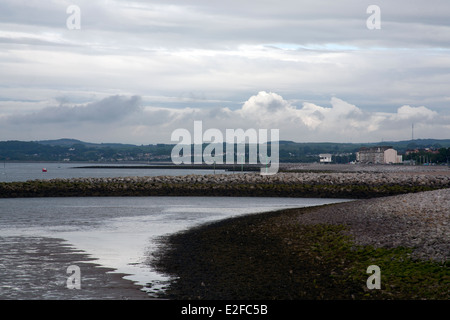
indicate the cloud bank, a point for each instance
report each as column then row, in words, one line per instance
column 310, row 68
column 127, row 119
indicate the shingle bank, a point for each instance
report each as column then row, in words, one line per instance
column 298, row 184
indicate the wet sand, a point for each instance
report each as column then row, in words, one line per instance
column 35, row 268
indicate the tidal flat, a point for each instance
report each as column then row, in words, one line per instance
column 317, row 253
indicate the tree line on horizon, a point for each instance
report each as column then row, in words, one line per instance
column 75, row 150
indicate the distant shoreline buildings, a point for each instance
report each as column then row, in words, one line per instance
column 325, row 157
column 378, row 155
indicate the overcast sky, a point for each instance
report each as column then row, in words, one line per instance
column 134, row 71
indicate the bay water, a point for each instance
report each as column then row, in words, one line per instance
column 118, row 232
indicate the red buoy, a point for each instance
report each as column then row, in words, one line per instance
column 44, row 170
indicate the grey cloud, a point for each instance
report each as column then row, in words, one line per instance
column 319, row 115
column 108, row 110
column 217, row 113
column 223, row 23
column 194, row 53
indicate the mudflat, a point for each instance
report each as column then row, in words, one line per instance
column 36, row 268
column 317, row 252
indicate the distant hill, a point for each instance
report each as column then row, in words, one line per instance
column 445, row 143
column 72, row 142
column 62, row 142
column 289, row 151
column 402, row 146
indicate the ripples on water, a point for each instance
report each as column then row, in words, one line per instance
column 118, row 232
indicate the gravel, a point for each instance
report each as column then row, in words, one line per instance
column 420, row 221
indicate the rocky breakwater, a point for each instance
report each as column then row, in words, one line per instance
column 304, row 184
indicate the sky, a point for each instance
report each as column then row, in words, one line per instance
column 134, row 71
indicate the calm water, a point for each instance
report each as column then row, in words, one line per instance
column 31, row 171
column 119, row 232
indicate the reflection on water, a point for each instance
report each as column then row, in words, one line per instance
column 120, row 231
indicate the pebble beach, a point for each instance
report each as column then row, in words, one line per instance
column 277, row 250
column 348, row 181
column 420, row 221
column 299, row 254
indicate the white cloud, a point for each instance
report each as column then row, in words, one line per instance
column 408, row 112
column 126, row 119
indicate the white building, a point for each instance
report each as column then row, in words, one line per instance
column 325, row 157
column 391, row 156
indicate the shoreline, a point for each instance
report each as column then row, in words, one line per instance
column 317, row 253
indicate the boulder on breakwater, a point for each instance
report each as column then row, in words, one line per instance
column 299, row 184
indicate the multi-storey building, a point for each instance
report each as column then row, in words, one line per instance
column 378, row 155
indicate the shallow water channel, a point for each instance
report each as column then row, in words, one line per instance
column 117, row 233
